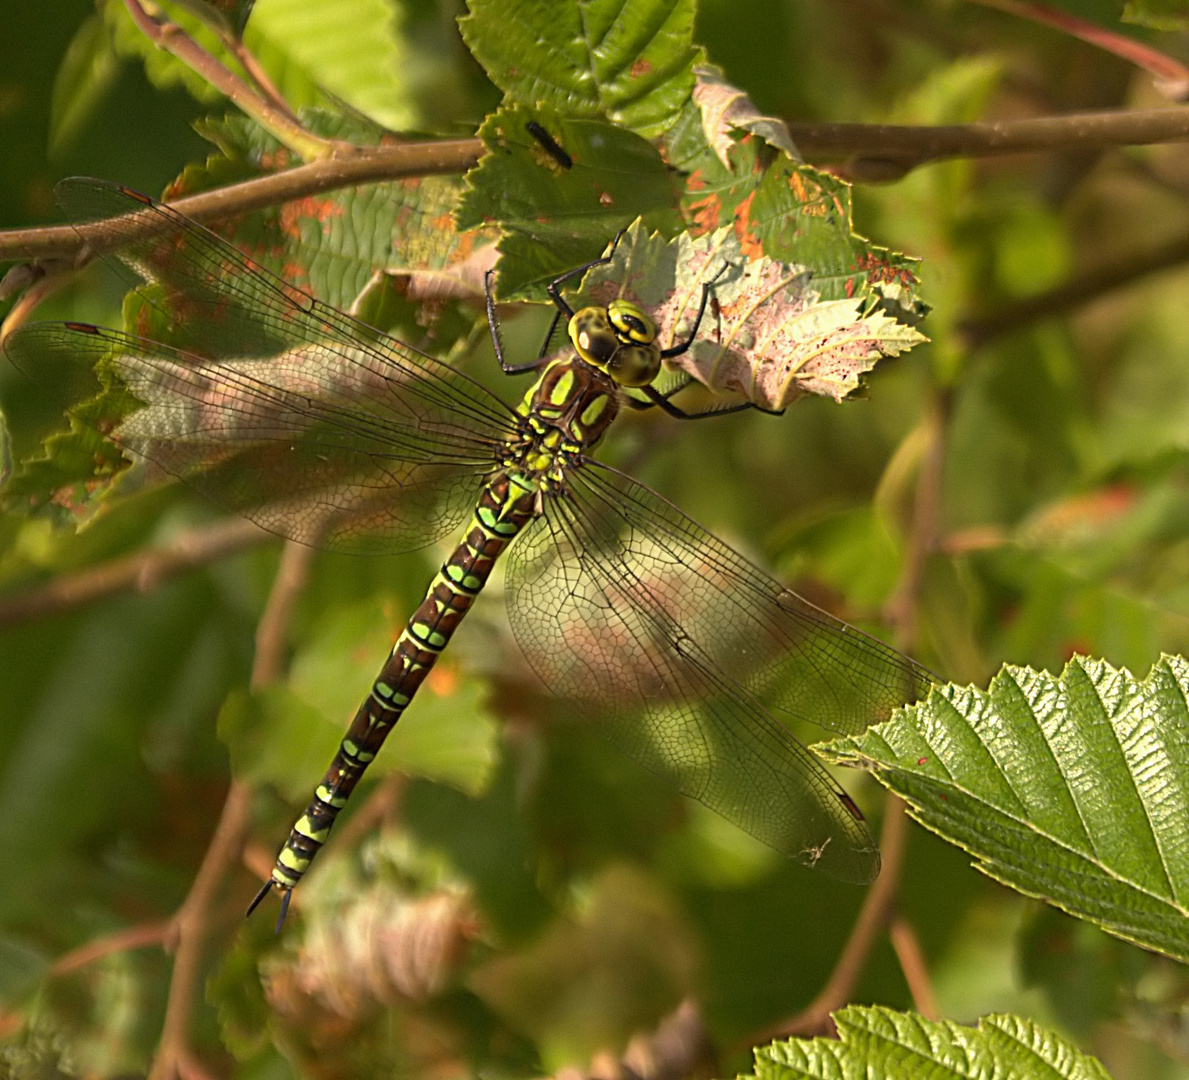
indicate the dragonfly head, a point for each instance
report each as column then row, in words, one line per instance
column 619, row 339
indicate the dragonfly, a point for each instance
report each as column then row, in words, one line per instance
column 323, row 430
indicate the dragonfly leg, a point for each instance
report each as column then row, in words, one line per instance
column 677, row 350
column 493, row 324
column 661, row 401
column 554, row 287
column 563, row 309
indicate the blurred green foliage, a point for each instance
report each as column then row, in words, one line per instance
column 558, row 899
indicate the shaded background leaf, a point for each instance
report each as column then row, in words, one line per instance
column 1060, row 526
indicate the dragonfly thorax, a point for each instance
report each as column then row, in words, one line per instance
column 619, row 339
column 566, row 412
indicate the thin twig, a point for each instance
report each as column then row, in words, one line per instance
column 885, row 151
column 1170, row 75
column 191, row 928
column 901, row 609
column 881, row 897
column 377, row 809
column 814, row 1019
column 257, row 74
column 279, row 121
column 142, row 571
column 916, row 971
column 888, row 149
column 367, row 165
column 134, row 937
column 173, row 1059
column 292, row 574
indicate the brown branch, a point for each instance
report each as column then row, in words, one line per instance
column 378, row 808
column 367, row 165
column 173, row 1058
column 814, row 1019
column 1063, row 299
column 912, row 962
column 190, row 924
column 884, row 150
column 296, row 562
column 134, row 937
column 273, row 117
column 142, row 571
column 901, row 609
column 889, row 150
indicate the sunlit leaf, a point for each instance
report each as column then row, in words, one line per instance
column 881, row 1044
column 85, row 75
column 1075, row 790
column 631, row 63
column 350, row 48
column 1159, row 14
column 727, row 110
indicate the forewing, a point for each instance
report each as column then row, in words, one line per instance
column 648, row 626
column 316, row 445
column 269, row 402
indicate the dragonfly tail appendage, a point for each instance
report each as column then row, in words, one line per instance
column 504, row 508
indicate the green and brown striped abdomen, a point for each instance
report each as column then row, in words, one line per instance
column 505, row 506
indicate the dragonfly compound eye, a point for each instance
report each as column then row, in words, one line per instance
column 632, row 324
column 635, row 365
column 593, row 336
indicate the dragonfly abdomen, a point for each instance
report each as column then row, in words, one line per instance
column 506, row 504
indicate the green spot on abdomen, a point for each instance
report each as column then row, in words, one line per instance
column 330, row 798
column 304, row 827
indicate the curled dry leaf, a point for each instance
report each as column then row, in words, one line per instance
column 727, row 111
column 383, row 950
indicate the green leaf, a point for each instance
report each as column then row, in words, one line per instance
column 162, row 68
column 448, row 733
column 276, row 738
column 336, row 245
column 629, row 61
column 555, row 218
column 287, row 735
column 84, row 77
column 800, row 214
column 350, row 48
column 1075, row 790
column 1158, row 14
column 878, row 1043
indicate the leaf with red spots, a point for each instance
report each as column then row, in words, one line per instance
column 768, row 334
column 388, row 251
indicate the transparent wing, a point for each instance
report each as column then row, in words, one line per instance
column 316, row 446
column 683, row 651
column 269, row 402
